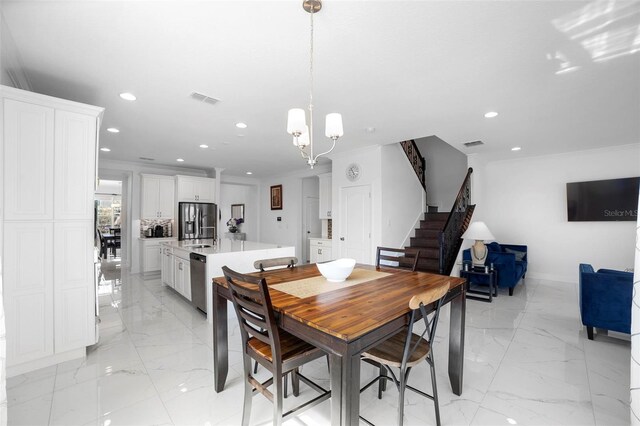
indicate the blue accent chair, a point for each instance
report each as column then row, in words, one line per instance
column 605, row 299
column 510, row 260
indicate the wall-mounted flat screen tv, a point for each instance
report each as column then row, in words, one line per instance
column 603, row 200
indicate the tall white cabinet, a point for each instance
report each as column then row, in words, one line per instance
column 48, row 154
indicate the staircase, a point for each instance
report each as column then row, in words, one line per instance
column 439, row 236
column 427, row 240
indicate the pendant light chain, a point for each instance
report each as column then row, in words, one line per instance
column 297, row 121
column 311, row 88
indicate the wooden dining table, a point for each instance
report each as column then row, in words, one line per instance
column 344, row 321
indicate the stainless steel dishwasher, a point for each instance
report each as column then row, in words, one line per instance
column 198, row 281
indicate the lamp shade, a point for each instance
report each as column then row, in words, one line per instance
column 296, row 121
column 333, row 125
column 478, row 231
column 302, row 140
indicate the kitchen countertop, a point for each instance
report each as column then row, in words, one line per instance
column 223, row 245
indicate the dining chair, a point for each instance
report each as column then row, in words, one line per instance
column 275, row 349
column 406, row 349
column 289, row 262
column 117, row 235
column 397, row 258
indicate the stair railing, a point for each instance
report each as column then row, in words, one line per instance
column 457, row 222
column 416, row 159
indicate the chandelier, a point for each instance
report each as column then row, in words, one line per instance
column 297, row 123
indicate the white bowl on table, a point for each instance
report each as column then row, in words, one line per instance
column 336, row 271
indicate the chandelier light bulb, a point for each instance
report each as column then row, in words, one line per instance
column 296, row 122
column 333, row 126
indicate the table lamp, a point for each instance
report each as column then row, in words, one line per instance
column 478, row 231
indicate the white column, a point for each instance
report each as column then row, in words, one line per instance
column 218, row 200
column 635, row 334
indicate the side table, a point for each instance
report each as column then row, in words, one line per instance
column 468, row 272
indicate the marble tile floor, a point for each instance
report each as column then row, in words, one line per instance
column 527, row 362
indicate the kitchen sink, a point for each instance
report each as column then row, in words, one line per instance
column 198, row 246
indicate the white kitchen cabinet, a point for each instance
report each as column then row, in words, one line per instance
column 28, row 160
column 158, row 197
column 320, row 250
column 167, row 273
column 182, row 272
column 28, row 291
column 75, row 158
column 195, row 189
column 49, row 166
column 151, row 254
column 325, row 195
column 182, row 268
column 74, row 315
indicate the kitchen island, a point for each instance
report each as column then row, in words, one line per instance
column 237, row 255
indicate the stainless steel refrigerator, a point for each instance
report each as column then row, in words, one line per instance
column 197, row 220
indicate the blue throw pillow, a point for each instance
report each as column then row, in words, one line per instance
column 519, row 254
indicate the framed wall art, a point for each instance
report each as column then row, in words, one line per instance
column 276, row 197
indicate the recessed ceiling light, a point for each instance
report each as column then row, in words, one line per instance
column 113, row 130
column 128, row 96
column 179, row 160
column 204, row 146
column 491, row 114
column 516, row 148
column 241, row 125
column 249, row 173
column 105, row 149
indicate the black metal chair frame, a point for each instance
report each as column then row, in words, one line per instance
column 289, row 262
column 252, row 304
column 380, row 256
column 400, row 380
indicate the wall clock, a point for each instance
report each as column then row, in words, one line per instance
column 353, row 172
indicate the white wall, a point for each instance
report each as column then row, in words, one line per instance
column 403, row 195
column 111, row 187
column 288, row 231
column 112, row 168
column 445, row 170
column 523, row 201
column 234, row 193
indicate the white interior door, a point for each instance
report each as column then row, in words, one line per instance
column 312, row 224
column 355, row 223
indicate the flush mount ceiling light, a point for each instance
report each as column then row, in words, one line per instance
column 113, row 130
column 249, row 173
column 179, row 160
column 297, row 122
column 128, row 96
column 204, row 146
column 516, row 148
column 105, row 149
column 491, row 114
column 241, row 125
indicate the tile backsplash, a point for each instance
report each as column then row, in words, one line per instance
column 167, row 226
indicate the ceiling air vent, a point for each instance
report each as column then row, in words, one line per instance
column 474, row 143
column 147, row 158
column 204, row 98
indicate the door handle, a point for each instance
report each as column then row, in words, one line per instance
column 341, row 238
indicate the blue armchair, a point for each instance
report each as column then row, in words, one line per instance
column 510, row 260
column 605, row 299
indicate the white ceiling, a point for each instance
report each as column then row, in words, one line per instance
column 408, row 69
